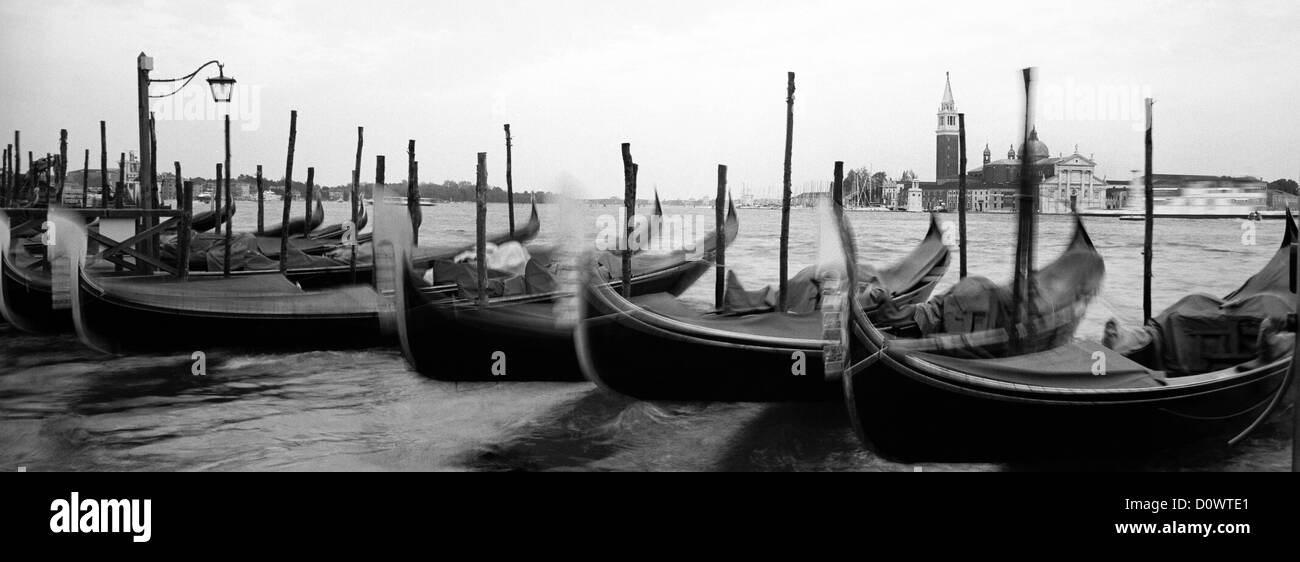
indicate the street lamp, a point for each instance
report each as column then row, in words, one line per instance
column 222, row 87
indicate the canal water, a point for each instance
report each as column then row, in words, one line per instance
column 64, row 407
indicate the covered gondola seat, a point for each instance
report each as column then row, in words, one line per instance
column 1202, row 333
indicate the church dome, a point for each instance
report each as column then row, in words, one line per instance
column 1037, row 149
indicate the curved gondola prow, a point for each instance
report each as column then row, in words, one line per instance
column 1289, row 237
column 588, row 282
column 859, row 353
column 393, row 237
column 1081, row 240
column 70, row 247
column 336, row 231
column 838, row 282
column 207, row 220
column 4, row 255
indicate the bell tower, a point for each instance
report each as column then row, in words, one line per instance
column 946, row 162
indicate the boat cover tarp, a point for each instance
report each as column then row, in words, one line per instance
column 536, row 279
column 803, row 294
column 770, row 324
column 1066, row 366
column 924, row 264
column 973, row 318
column 1202, row 333
column 976, row 303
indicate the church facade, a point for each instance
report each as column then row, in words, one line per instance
column 1065, row 182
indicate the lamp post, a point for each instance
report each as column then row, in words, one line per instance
column 222, row 88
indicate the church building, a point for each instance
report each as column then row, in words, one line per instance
column 1065, row 182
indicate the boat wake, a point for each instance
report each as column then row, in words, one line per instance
column 587, row 434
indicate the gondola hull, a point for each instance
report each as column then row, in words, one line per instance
column 903, row 414
column 626, row 352
column 111, row 323
column 25, row 294
column 523, row 339
column 25, row 300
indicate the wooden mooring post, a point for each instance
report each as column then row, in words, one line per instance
column 187, row 225
column 784, row 258
column 120, row 197
column 61, row 172
column 217, row 202
column 17, row 171
column 4, row 181
column 104, row 195
column 510, row 181
column 356, row 203
column 230, row 217
column 961, row 192
column 307, row 199
column 288, row 192
column 837, row 186
column 85, row 179
column 412, row 192
column 261, row 200
column 1149, row 232
column 480, row 223
column 629, row 213
column 719, row 239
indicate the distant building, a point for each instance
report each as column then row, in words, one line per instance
column 1199, row 195
column 1278, row 200
column 1065, row 182
column 915, row 198
column 947, row 160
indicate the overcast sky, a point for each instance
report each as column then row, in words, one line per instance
column 690, row 84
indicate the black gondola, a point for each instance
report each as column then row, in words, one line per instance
column 684, row 354
column 297, row 225
column 524, row 337
column 25, row 288
column 207, row 220
column 158, row 312
column 965, row 397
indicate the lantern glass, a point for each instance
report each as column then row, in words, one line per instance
column 222, row 88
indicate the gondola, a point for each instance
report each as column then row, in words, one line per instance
column 653, row 347
column 527, row 337
column 968, row 397
column 319, row 241
column 207, row 220
column 158, row 312
column 25, row 290
column 297, row 225
column 335, row 231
